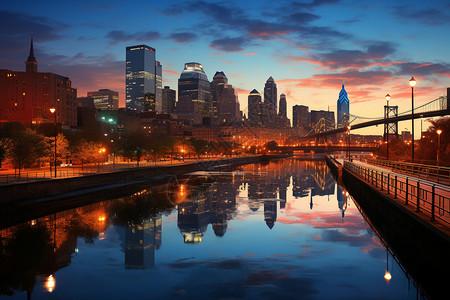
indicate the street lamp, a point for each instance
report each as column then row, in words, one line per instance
column 388, row 97
column 412, row 83
column 53, row 111
column 439, row 131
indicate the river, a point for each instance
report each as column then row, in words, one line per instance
column 284, row 228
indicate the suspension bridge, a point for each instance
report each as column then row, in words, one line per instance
column 434, row 108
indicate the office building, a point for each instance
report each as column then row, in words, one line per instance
column 270, row 94
column 143, row 77
column 225, row 104
column 255, row 108
column 301, row 117
column 193, row 84
column 169, row 97
column 343, row 108
column 105, row 99
column 27, row 96
column 283, row 106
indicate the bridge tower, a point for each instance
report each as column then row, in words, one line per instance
column 390, row 128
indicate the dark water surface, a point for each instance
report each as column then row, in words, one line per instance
column 284, row 229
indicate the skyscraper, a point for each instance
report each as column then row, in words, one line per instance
column 254, row 108
column 168, row 100
column 193, row 84
column 343, row 108
column 142, row 72
column 300, row 116
column 270, row 94
column 219, row 79
column 105, row 99
column 283, row 106
column 225, row 105
column 158, row 89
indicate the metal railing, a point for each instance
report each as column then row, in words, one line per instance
column 428, row 172
column 431, row 199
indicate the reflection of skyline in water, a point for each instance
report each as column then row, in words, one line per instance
column 275, row 193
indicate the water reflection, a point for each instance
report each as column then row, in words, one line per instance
column 309, row 226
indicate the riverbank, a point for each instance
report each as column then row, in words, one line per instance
column 20, row 192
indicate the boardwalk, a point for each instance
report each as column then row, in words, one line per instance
column 422, row 196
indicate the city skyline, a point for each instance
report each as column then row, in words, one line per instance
column 308, row 47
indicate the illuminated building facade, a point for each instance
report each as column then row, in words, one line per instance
column 105, row 99
column 343, row 108
column 193, row 84
column 27, row 96
column 300, row 116
column 143, row 78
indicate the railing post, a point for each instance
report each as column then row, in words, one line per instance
column 395, row 189
column 388, row 183
column 406, row 191
column 381, row 183
column 376, row 179
column 417, row 196
column 433, row 194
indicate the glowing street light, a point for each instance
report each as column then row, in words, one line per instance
column 439, row 131
column 53, row 111
column 412, row 83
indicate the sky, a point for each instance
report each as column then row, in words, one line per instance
column 309, row 47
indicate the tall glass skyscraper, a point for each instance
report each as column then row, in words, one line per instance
column 194, row 84
column 270, row 94
column 343, row 108
column 142, row 72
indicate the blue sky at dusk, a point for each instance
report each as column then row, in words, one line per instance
column 308, row 47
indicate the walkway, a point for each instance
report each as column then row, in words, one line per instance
column 8, row 176
column 421, row 196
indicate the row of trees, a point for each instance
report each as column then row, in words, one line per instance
column 23, row 147
column 427, row 148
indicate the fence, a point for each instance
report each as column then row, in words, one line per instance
column 428, row 172
column 428, row 198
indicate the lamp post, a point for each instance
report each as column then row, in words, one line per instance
column 53, row 111
column 439, row 131
column 388, row 97
column 412, row 83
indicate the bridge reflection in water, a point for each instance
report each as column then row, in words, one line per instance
column 284, row 228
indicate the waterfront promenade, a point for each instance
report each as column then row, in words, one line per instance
column 427, row 199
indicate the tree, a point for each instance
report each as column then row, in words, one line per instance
column 272, row 146
column 427, row 149
column 159, row 146
column 133, row 145
column 8, row 132
column 27, row 149
column 199, row 146
column 62, row 148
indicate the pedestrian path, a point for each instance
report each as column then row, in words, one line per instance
column 422, row 196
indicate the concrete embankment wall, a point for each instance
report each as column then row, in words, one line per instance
column 31, row 190
column 422, row 248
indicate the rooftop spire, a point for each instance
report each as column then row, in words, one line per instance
column 31, row 55
column 31, row 63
